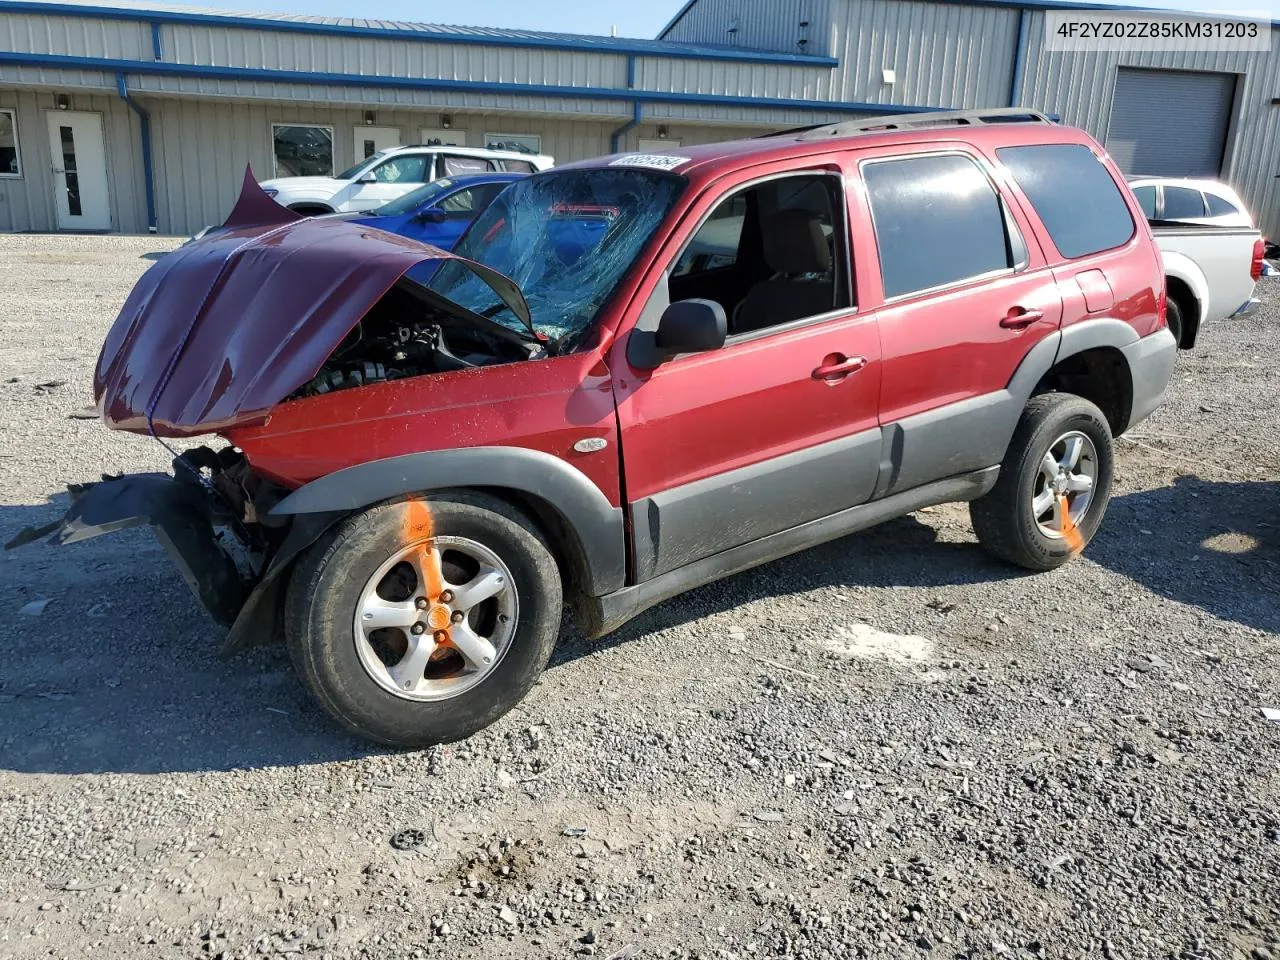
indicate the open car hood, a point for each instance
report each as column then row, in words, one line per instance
column 226, row 327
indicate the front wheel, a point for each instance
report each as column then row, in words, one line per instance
column 1054, row 485
column 421, row 622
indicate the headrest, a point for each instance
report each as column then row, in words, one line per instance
column 794, row 243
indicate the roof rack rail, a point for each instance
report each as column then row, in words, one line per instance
column 907, row 121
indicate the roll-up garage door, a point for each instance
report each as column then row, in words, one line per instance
column 1170, row 123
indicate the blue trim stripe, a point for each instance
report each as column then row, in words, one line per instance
column 583, row 44
column 615, row 140
column 148, row 172
column 432, row 83
column 1019, row 59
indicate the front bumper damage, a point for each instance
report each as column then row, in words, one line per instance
column 206, row 518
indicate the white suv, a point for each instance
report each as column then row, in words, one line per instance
column 390, row 174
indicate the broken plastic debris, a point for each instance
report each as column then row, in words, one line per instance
column 35, row 608
column 575, row 832
column 1271, row 714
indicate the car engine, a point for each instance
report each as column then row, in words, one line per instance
column 407, row 334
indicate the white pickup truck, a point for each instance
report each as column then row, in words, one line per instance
column 1210, row 272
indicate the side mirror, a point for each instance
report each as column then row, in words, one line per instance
column 368, row 178
column 430, row 216
column 692, row 326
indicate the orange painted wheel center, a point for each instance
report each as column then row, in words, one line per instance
column 439, row 617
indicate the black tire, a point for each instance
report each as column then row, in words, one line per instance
column 325, row 589
column 1174, row 314
column 1004, row 520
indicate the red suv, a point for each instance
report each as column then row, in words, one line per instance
column 635, row 375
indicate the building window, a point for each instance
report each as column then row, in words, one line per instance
column 515, row 142
column 10, row 162
column 302, row 151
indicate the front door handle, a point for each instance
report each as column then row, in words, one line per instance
column 1017, row 318
column 836, row 366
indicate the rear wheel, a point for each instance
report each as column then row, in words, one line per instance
column 1054, row 485
column 1174, row 314
column 423, row 621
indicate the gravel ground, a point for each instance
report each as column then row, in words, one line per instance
column 889, row 746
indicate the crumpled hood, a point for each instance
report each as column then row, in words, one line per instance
column 223, row 329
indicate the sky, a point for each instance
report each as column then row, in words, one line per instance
column 633, row 18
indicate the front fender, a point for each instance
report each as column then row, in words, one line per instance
column 585, row 512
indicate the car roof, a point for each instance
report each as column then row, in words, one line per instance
column 468, row 151
column 711, row 160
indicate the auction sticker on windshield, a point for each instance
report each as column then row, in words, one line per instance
column 654, row 161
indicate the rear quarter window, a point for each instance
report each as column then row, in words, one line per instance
column 1073, row 194
column 1219, row 207
column 1183, row 204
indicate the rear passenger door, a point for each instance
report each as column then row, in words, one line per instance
column 964, row 294
column 1103, row 265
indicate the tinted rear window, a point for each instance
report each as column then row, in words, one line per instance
column 1078, row 202
column 938, row 221
column 1182, row 204
column 1219, row 207
column 1147, row 198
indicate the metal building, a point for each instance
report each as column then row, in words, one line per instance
column 141, row 116
column 1164, row 113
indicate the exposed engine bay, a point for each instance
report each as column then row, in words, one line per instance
column 412, row 331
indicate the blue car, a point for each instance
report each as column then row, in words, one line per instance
column 441, row 211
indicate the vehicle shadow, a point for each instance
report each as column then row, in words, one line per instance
column 118, row 673
column 1213, row 545
column 904, row 552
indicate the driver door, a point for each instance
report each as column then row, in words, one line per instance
column 389, row 180
column 779, row 426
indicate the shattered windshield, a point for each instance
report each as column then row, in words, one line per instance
column 566, row 239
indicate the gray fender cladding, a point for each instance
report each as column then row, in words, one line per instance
column 585, row 511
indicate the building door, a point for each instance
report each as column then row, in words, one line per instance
column 1170, row 123
column 369, row 140
column 79, row 154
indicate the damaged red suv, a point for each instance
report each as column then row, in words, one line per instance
column 635, row 375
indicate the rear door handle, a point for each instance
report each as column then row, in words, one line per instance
column 836, row 366
column 1017, row 318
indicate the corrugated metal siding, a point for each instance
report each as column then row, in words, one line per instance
column 389, row 58
column 1080, row 87
column 202, row 146
column 75, row 36
column 375, row 98
column 732, row 79
column 944, row 54
column 27, row 204
column 774, row 25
